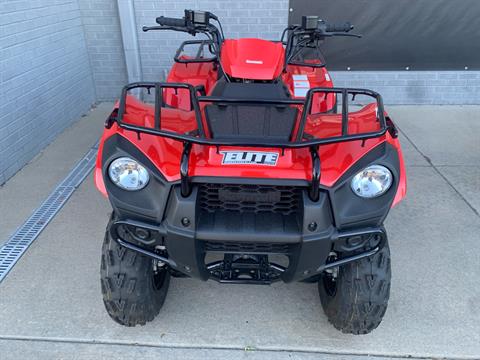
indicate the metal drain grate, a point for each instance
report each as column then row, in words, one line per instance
column 19, row 242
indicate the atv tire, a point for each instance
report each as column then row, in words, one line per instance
column 133, row 293
column 356, row 300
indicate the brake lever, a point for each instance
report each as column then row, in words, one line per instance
column 358, row 36
column 162, row 27
column 166, row 27
column 148, row 28
column 323, row 33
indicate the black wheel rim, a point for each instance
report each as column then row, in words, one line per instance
column 329, row 284
column 158, row 278
column 329, row 278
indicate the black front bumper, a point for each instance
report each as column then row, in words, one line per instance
column 187, row 241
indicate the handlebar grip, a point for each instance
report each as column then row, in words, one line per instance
column 339, row 27
column 167, row 21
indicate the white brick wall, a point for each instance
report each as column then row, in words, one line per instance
column 45, row 77
column 104, row 44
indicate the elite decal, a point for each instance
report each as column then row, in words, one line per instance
column 249, row 157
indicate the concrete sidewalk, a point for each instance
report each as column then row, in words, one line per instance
column 51, row 305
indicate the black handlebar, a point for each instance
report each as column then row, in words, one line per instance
column 339, row 27
column 194, row 22
column 167, row 21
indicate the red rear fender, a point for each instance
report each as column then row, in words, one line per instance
column 299, row 79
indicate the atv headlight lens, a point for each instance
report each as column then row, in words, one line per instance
column 128, row 174
column 372, row 181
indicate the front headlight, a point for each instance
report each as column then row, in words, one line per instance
column 128, row 174
column 372, row 181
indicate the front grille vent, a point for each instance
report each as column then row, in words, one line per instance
column 240, row 247
column 243, row 198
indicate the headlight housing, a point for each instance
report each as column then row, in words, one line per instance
column 128, row 174
column 372, row 181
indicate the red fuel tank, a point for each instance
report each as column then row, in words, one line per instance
column 253, row 59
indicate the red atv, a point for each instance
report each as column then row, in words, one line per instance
column 247, row 166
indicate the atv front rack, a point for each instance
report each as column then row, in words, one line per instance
column 300, row 140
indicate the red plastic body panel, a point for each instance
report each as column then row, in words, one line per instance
column 252, row 58
column 206, row 161
column 402, row 183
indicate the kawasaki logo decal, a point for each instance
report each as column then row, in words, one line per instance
column 257, row 62
column 249, row 157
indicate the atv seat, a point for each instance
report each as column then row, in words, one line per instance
column 231, row 90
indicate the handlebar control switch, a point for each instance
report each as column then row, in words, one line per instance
column 197, row 17
column 309, row 22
